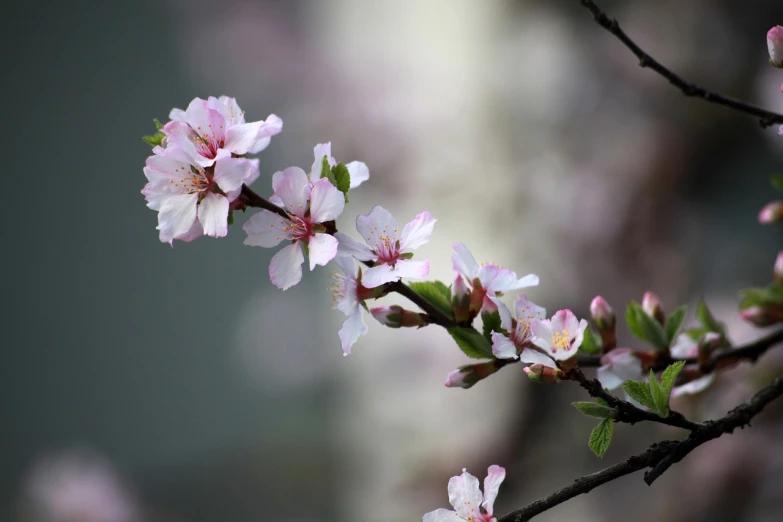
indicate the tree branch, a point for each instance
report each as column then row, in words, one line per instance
column 660, row 456
column 766, row 118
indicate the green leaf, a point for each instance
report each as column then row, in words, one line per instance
column 326, row 171
column 659, row 397
column 764, row 297
column 640, row 392
column 491, row 323
column 591, row 343
column 674, row 322
column 592, row 409
column 601, row 437
column 669, row 375
column 158, row 124
column 471, row 342
column 436, row 293
column 230, row 217
column 342, row 178
column 777, row 182
column 707, row 320
column 645, row 327
column 154, row 140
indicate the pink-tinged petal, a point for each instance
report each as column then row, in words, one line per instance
column 623, row 363
column 495, row 476
column 442, row 515
column 319, row 151
column 530, row 356
column 376, row 227
column 326, row 202
column 579, row 335
column 266, row 229
column 213, row 215
column 378, row 275
column 528, row 310
column 241, row 138
column 523, row 282
column 412, row 269
column 608, row 379
column 177, row 128
column 465, row 495
column 219, row 105
column 195, row 232
column 684, row 347
column 503, row 347
column 231, row 173
column 349, row 247
column 177, row 115
column 285, row 269
column 505, row 314
column 559, row 320
column 233, row 114
column 275, row 200
column 176, row 216
column 208, row 123
column 694, row 387
column 352, row 329
column 322, row 249
column 463, row 262
column 271, row 127
column 542, row 334
column 293, row 188
column 417, row 232
column 359, row 173
column 181, row 148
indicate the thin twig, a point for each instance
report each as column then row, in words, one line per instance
column 766, row 118
column 660, row 456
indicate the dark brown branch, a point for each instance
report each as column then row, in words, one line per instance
column 660, row 456
column 766, row 118
column 625, row 411
column 251, row 199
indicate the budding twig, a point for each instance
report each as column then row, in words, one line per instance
column 660, row 456
column 766, row 118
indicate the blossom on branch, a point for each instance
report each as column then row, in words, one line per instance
column 390, row 255
column 308, row 206
column 775, row 46
column 193, row 200
column 685, row 347
column 618, row 366
column 487, row 280
column 348, row 296
column 560, row 337
column 517, row 343
column 467, row 500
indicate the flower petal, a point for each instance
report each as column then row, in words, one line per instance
column 293, row 188
column 285, row 269
column 322, row 249
column 608, row 379
column 241, row 138
column 417, row 232
column 693, row 387
column 352, row 329
column 213, row 215
column 503, row 347
column 377, row 227
column 684, row 346
column 359, row 173
column 463, row 262
column 505, row 314
column 378, row 275
column 326, row 202
column 266, row 229
column 465, row 495
column 442, row 515
column 531, row 356
column 231, row 173
column 176, row 216
column 524, row 282
column 412, row 269
column 319, row 151
column 349, row 247
column 495, row 476
column 542, row 334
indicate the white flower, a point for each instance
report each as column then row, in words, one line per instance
column 518, row 341
column 466, row 498
column 561, row 336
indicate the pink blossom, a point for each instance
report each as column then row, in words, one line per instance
column 218, row 124
column 618, row 366
column 308, row 205
column 518, row 341
column 389, row 251
column 487, row 280
column 467, row 500
column 561, row 336
column 193, row 200
column 348, row 296
column 775, row 46
column 358, row 170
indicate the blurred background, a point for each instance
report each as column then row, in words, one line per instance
column 144, row 383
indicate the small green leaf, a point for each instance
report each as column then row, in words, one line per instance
column 230, row 217
column 471, row 342
column 591, row 343
column 158, row 124
column 777, row 182
column 659, row 397
column 764, row 297
column 436, row 293
column 645, row 327
column 601, row 437
column 640, row 392
column 342, row 178
column 592, row 409
column 602, row 402
column 154, row 140
column 707, row 320
column 669, row 375
column 674, row 322
column 491, row 323
column 326, row 171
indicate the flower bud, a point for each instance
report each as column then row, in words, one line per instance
column 468, row 375
column 762, row 315
column 542, row 374
column 778, row 270
column 396, row 316
column 652, row 306
column 771, row 213
column 605, row 320
column 775, row 46
column 460, row 299
column 708, row 343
